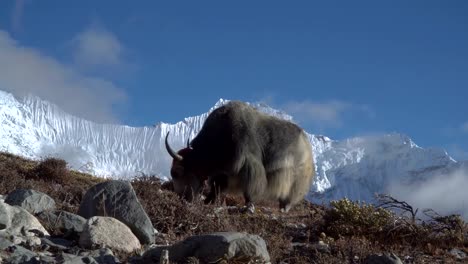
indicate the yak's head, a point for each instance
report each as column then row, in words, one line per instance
column 186, row 175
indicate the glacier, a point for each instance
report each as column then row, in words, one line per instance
column 356, row 168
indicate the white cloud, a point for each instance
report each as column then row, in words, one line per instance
column 17, row 15
column 445, row 194
column 464, row 127
column 96, row 46
column 329, row 113
column 26, row 70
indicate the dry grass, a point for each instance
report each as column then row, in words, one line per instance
column 352, row 230
column 49, row 176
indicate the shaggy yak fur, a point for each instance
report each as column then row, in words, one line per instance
column 240, row 150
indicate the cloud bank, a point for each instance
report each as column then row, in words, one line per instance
column 25, row 70
column 96, row 46
column 324, row 114
column 445, row 194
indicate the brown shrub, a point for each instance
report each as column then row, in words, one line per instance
column 12, row 173
column 52, row 169
column 46, row 176
column 348, row 218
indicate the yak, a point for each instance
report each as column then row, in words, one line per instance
column 241, row 150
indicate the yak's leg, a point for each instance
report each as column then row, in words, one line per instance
column 285, row 205
column 253, row 180
column 299, row 188
column 218, row 184
column 280, row 182
column 249, row 205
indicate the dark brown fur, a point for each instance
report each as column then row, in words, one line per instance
column 240, row 150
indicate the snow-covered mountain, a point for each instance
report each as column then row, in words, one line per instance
column 355, row 168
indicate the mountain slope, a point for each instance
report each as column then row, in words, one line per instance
column 356, row 167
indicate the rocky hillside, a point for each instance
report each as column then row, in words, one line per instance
column 51, row 214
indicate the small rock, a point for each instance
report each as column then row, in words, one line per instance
column 108, row 232
column 118, row 199
column 383, row 259
column 212, row 247
column 46, row 258
column 19, row 254
column 64, row 257
column 80, row 260
column 322, row 247
column 299, row 244
column 457, row 253
column 27, row 241
column 323, row 235
column 57, row 243
column 409, row 259
column 104, row 256
column 296, row 226
column 218, row 210
column 33, row 201
column 101, row 256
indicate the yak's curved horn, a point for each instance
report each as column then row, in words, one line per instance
column 188, row 142
column 171, row 152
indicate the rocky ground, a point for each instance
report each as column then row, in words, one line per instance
column 49, row 214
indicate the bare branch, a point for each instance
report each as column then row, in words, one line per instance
column 388, row 202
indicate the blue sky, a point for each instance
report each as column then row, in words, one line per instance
column 341, row 68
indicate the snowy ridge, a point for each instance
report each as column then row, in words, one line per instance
column 355, row 168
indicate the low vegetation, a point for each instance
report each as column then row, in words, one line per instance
column 352, row 230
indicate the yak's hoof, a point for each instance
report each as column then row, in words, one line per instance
column 249, row 208
column 285, row 208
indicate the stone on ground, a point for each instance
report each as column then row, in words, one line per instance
column 68, row 223
column 383, row 259
column 117, row 199
column 108, row 232
column 213, row 247
column 33, row 201
column 16, row 221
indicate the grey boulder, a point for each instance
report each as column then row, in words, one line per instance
column 213, row 247
column 68, row 223
column 118, row 200
column 16, row 221
column 108, row 232
column 32, row 201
